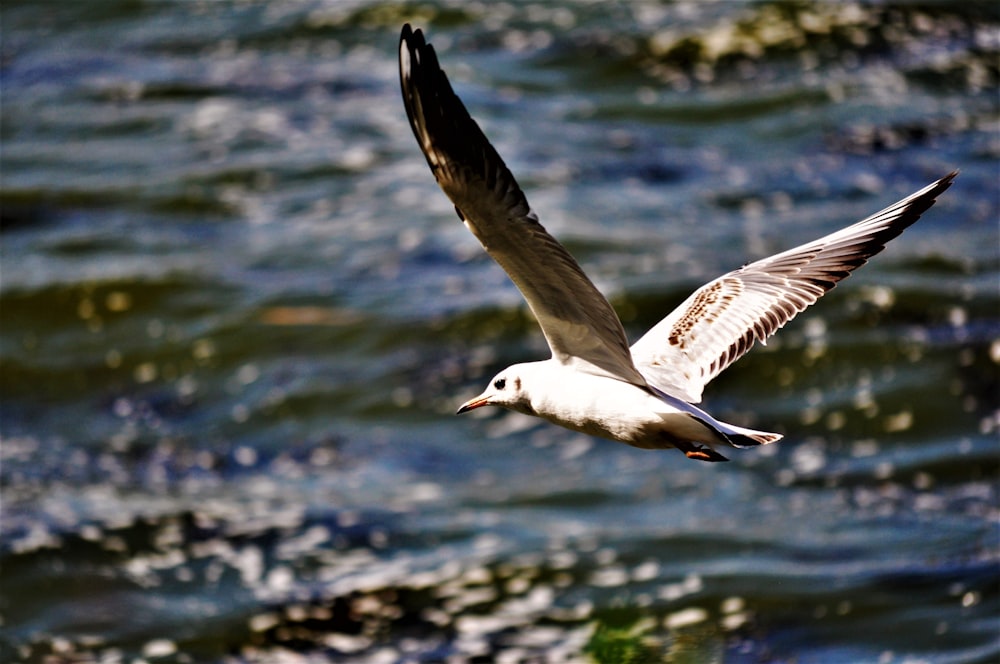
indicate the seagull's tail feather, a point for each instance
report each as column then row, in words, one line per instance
column 734, row 435
column 743, row 438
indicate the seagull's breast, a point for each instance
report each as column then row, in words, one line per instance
column 599, row 405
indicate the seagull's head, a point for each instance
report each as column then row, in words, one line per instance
column 505, row 390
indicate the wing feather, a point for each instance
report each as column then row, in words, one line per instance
column 721, row 321
column 579, row 324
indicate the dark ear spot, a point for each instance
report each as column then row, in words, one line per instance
column 517, row 383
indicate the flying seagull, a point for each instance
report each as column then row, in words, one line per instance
column 594, row 382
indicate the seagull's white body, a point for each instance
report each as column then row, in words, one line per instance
column 595, row 383
column 610, row 408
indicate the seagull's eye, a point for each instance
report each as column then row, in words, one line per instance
column 500, row 383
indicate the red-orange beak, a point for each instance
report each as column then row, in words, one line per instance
column 472, row 404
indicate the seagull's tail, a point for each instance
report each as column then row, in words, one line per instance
column 734, row 435
column 743, row 438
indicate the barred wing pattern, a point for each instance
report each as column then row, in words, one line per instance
column 721, row 321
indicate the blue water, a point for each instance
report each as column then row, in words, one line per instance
column 237, row 315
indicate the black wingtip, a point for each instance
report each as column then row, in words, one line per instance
column 413, row 38
column 408, row 34
column 923, row 200
column 417, row 59
column 947, row 180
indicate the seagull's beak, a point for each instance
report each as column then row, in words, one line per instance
column 472, row 404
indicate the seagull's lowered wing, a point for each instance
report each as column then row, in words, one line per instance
column 720, row 321
column 579, row 324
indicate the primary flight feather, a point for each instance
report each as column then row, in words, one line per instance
column 594, row 382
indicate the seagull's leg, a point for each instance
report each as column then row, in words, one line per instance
column 699, row 452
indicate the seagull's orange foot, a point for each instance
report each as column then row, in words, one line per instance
column 704, row 454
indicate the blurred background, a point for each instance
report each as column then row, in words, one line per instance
column 237, row 314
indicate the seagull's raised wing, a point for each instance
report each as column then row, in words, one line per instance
column 579, row 324
column 720, row 321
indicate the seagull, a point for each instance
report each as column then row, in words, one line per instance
column 595, row 383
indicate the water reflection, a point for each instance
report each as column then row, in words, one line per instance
column 237, row 316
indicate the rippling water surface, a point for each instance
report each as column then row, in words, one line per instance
column 238, row 314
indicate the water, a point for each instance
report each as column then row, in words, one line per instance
column 237, row 316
